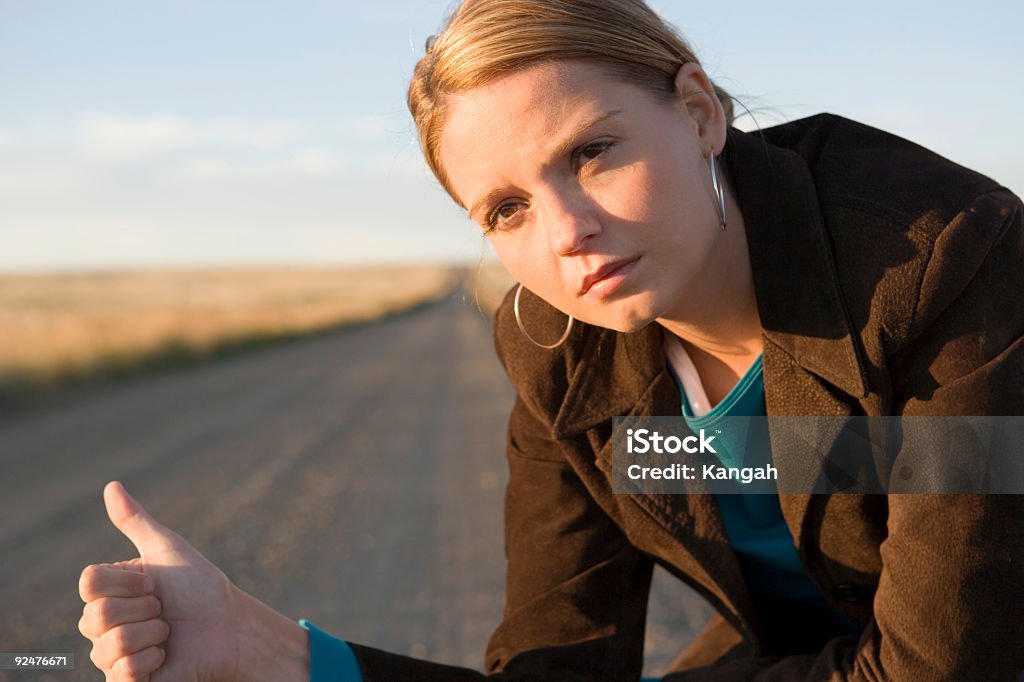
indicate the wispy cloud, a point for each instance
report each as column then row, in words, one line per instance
column 112, row 136
column 106, row 136
column 305, row 162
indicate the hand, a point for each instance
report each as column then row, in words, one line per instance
column 171, row 615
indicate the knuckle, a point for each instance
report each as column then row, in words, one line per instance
column 104, row 612
column 119, row 639
column 138, row 665
column 148, row 607
column 126, row 668
column 87, row 582
column 98, row 658
column 91, row 611
column 85, row 627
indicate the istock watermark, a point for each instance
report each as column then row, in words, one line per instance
column 647, row 441
column 643, row 440
column 856, row 455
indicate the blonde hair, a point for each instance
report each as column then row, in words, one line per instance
column 484, row 39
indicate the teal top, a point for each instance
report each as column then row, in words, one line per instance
column 330, row 659
column 754, row 523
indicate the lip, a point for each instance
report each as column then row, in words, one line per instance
column 607, row 278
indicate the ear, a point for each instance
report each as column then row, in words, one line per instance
column 701, row 105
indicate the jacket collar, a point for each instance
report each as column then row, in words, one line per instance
column 798, row 296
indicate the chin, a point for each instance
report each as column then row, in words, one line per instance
column 632, row 325
column 625, row 321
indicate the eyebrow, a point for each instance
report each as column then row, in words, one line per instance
column 558, row 151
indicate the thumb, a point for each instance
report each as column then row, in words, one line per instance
column 128, row 516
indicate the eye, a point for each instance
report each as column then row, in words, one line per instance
column 504, row 215
column 588, row 152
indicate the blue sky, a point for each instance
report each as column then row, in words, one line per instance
column 139, row 134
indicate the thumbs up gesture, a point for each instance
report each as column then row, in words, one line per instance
column 170, row 614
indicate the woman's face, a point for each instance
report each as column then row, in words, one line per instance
column 595, row 193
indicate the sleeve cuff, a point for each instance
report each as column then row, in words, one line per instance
column 330, row 659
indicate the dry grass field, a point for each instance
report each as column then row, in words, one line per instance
column 60, row 327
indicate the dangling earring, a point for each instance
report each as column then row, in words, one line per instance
column 565, row 335
column 719, row 192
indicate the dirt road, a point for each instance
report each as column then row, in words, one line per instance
column 354, row 479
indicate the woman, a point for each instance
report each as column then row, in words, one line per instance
column 822, row 268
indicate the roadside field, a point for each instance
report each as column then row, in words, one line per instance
column 61, row 327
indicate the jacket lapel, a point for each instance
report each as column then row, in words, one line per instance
column 625, row 374
column 807, row 331
column 795, row 279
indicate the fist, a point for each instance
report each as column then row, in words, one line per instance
column 122, row 620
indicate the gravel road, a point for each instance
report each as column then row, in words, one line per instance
column 353, row 478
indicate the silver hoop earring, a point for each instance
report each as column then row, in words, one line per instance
column 565, row 335
column 719, row 192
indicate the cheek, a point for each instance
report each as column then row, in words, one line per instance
column 630, row 194
column 672, row 199
column 646, row 195
column 511, row 258
column 539, row 273
column 526, row 264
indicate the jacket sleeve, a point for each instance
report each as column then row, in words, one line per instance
column 576, row 589
column 562, row 550
column 950, row 601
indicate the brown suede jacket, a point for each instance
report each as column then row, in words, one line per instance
column 889, row 281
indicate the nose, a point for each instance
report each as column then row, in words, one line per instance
column 572, row 221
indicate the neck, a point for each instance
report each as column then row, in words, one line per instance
column 716, row 318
